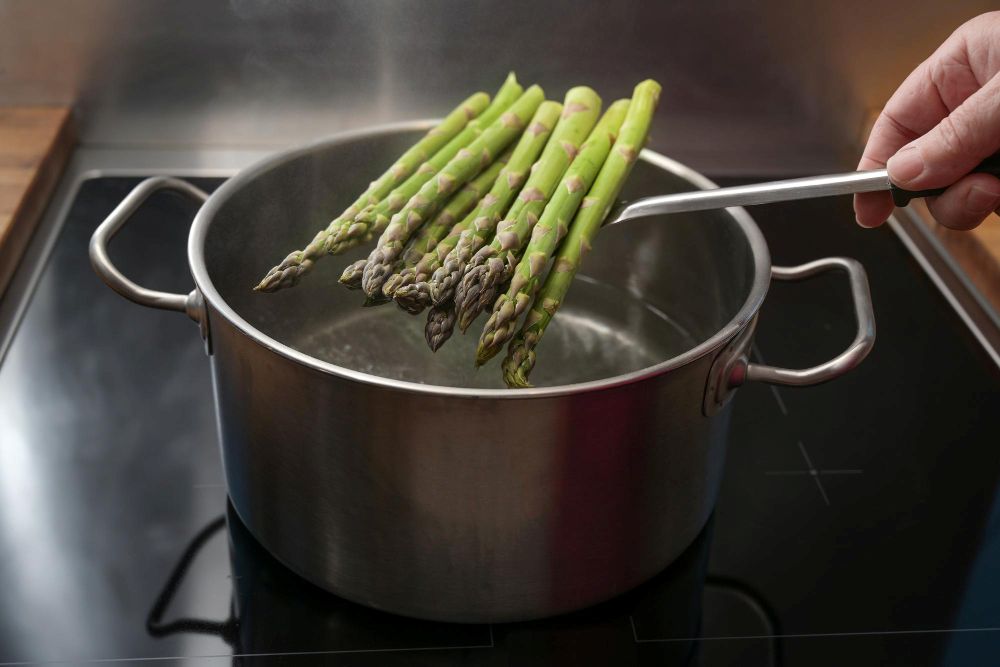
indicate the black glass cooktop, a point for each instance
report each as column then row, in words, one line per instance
column 858, row 523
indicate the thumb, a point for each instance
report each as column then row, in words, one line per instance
column 953, row 147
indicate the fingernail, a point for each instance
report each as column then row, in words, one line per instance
column 981, row 201
column 906, row 165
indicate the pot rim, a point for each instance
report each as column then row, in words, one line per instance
column 204, row 217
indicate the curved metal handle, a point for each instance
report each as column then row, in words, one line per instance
column 856, row 351
column 191, row 303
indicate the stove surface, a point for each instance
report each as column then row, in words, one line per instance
column 858, row 521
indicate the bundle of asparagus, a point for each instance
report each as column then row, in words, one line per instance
column 373, row 219
column 409, row 294
column 400, row 182
column 521, row 354
column 448, row 239
column 580, row 110
column 468, row 162
column 548, row 232
column 421, row 287
column 428, row 236
column 492, row 265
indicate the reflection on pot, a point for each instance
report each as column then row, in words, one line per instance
column 273, row 613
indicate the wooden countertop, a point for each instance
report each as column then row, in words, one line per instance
column 977, row 252
column 35, row 143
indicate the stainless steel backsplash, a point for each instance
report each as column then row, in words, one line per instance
column 780, row 87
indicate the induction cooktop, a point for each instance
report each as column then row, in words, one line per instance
column 858, row 521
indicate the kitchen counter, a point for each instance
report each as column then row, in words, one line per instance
column 35, row 143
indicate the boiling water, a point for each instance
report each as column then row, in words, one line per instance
column 601, row 331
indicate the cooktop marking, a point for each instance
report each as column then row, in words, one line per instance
column 781, row 402
column 807, row 635
column 812, row 471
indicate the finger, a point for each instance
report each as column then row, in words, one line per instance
column 931, row 91
column 920, row 102
column 871, row 209
column 953, row 147
column 967, row 203
column 913, row 109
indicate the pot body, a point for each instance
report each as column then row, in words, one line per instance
column 483, row 505
column 409, row 482
column 464, row 509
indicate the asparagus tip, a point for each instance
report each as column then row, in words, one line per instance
column 516, row 368
column 274, row 281
column 484, row 353
column 517, row 380
column 440, row 325
column 412, row 297
column 391, row 285
column 351, row 276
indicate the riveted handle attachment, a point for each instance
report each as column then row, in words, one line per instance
column 732, row 367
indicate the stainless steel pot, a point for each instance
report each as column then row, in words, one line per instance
column 405, row 480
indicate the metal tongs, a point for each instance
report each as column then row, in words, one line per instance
column 777, row 191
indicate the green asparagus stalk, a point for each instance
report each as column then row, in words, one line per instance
column 548, row 232
column 491, row 265
column 428, row 236
column 465, row 165
column 521, row 354
column 375, row 217
column 411, row 295
column 298, row 263
column 441, row 286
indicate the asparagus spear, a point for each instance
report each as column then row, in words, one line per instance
column 351, row 277
column 298, row 263
column 521, row 354
column 374, row 218
column 440, row 324
column 477, row 289
column 465, row 165
column 548, row 232
column 411, row 294
column 427, row 237
column 441, row 286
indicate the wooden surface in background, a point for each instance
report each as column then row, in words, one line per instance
column 35, row 143
column 977, row 252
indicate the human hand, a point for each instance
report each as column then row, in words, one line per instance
column 942, row 122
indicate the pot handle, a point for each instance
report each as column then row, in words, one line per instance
column 854, row 354
column 191, row 303
column 732, row 368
